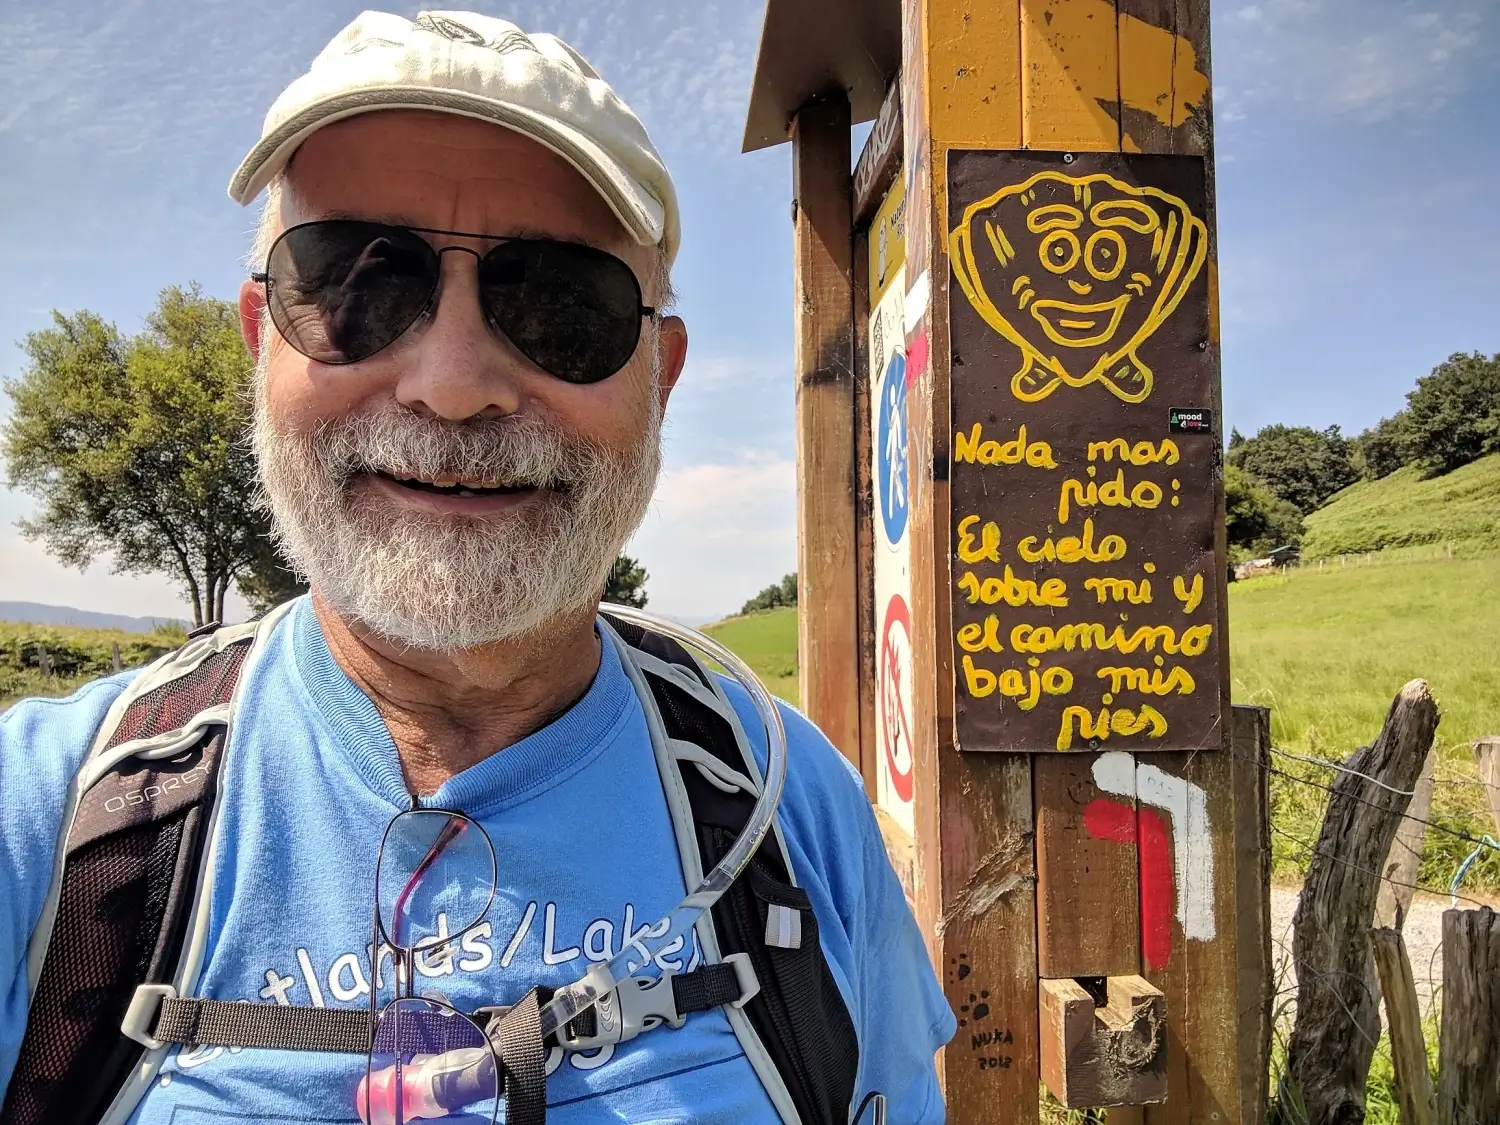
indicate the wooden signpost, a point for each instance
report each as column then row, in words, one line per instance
column 1030, row 447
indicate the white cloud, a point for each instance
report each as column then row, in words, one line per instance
column 1372, row 60
column 717, row 533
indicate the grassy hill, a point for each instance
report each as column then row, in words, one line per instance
column 1403, row 510
column 768, row 643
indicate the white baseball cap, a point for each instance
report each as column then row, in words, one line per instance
column 482, row 67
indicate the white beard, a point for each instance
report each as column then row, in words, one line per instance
column 447, row 582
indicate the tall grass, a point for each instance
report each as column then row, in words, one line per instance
column 1327, row 651
column 76, row 656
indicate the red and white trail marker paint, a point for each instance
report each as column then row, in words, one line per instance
column 1192, row 841
column 1105, row 819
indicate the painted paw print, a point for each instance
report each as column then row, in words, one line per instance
column 976, row 1008
column 963, row 968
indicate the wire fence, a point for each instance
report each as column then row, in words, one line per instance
column 1352, row 561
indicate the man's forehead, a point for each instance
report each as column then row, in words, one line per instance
column 437, row 170
column 399, row 218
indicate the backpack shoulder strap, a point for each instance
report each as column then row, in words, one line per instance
column 796, row 1031
column 126, row 905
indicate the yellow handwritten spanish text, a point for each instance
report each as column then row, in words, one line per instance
column 1112, row 494
column 1149, row 681
column 1093, row 635
column 1122, row 721
column 1120, row 590
column 1188, row 596
column 974, row 447
column 1013, row 590
column 1026, row 688
column 989, row 541
column 1073, row 548
column 1141, row 453
column 975, row 637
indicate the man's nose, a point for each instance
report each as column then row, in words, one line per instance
column 457, row 368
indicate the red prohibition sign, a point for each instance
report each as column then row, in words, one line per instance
column 897, row 729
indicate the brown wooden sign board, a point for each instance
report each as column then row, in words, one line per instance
column 1084, row 454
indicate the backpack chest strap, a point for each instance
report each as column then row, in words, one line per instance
column 157, row 1016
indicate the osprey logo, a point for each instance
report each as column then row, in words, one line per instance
column 450, row 28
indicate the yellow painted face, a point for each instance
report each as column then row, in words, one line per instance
column 1077, row 271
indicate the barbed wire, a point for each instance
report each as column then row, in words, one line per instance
column 1435, row 826
column 1324, row 762
column 1312, row 850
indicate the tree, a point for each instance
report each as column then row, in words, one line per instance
column 773, row 596
column 136, row 447
column 627, row 583
column 1453, row 415
column 1299, row 464
column 1256, row 520
column 1381, row 450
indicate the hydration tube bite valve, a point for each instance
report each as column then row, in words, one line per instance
column 431, row 1086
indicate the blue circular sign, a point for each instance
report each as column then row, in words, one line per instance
column 890, row 451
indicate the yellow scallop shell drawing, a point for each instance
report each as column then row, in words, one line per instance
column 1077, row 272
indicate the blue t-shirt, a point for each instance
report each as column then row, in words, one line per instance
column 585, row 854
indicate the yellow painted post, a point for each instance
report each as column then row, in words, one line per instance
column 1029, row 865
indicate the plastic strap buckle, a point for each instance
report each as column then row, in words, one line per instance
column 744, row 973
column 140, row 1016
column 634, row 1005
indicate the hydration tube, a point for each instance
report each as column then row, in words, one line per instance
column 600, row 980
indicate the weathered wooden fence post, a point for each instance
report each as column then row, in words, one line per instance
column 44, row 659
column 114, row 656
column 1399, row 873
column 1487, row 756
column 1414, row 1092
column 1338, row 1017
column 1469, row 1038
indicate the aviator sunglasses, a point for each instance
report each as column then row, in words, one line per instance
column 341, row 290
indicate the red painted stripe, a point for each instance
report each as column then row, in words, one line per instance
column 1109, row 820
column 1156, row 889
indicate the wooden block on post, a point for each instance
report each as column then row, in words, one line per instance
column 1109, row 1055
column 1086, row 868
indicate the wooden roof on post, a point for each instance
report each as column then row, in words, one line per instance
column 809, row 48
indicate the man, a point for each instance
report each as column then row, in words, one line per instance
column 456, row 434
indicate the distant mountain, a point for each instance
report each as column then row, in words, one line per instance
column 34, row 613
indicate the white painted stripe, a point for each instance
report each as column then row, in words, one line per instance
column 1192, row 838
column 918, row 297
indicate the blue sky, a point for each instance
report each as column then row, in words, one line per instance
column 1359, row 240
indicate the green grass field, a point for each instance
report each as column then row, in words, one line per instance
column 1403, row 510
column 1327, row 651
column 766, row 641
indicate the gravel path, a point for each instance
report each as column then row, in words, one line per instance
column 1423, row 932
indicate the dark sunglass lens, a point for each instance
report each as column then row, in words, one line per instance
column 341, row 290
column 572, row 310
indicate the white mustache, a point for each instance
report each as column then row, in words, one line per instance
column 516, row 451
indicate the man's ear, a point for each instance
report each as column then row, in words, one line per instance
column 672, row 340
column 252, row 316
